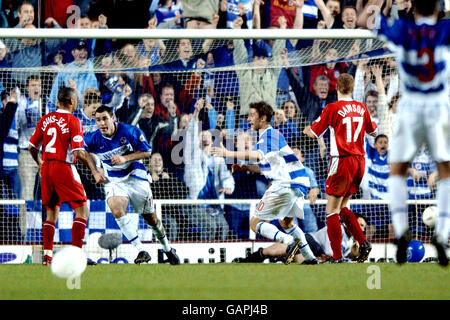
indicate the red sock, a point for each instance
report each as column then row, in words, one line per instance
column 48, row 233
column 78, row 228
column 335, row 235
column 352, row 224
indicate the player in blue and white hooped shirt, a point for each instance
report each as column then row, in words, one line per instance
column 422, row 167
column 119, row 149
column 284, row 199
column 421, row 48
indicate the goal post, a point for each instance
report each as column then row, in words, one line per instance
column 155, row 79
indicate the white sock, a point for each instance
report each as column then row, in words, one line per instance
column 443, row 203
column 130, row 232
column 398, row 194
column 271, row 232
column 298, row 234
column 160, row 234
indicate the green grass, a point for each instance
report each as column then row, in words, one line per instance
column 229, row 281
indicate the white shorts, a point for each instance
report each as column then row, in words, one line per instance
column 137, row 191
column 419, row 122
column 278, row 203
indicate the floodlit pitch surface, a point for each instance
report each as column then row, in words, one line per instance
column 231, row 281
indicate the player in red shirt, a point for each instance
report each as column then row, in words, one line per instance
column 347, row 120
column 61, row 136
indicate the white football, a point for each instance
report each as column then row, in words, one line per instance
column 429, row 216
column 69, row 262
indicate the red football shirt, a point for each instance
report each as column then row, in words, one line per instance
column 60, row 133
column 347, row 120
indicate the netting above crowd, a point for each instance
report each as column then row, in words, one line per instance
column 164, row 85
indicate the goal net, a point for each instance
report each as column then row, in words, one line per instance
column 188, row 95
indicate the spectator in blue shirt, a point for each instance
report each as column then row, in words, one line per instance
column 309, row 222
column 287, row 128
column 78, row 74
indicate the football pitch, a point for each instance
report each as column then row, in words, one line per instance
column 418, row 281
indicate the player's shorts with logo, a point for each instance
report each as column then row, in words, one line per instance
column 60, row 182
column 345, row 175
column 136, row 190
column 419, row 122
column 279, row 202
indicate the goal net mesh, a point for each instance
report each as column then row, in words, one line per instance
column 156, row 85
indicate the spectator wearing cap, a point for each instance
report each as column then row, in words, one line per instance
column 77, row 74
column 262, row 81
column 95, row 47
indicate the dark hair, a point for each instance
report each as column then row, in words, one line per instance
column 19, row 9
column 32, row 77
column 371, row 93
column 263, row 109
column 425, row 7
column 167, row 85
column 65, row 94
column 348, row 7
column 381, row 136
column 359, row 215
column 283, row 105
column 91, row 97
column 104, row 108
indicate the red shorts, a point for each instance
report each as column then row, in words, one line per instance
column 60, row 183
column 345, row 175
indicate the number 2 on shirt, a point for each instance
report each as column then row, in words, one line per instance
column 49, row 147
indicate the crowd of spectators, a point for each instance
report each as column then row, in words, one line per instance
column 181, row 103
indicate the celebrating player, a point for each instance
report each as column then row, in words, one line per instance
column 61, row 136
column 283, row 200
column 423, row 111
column 348, row 120
column 120, row 147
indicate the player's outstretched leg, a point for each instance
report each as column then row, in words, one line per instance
column 440, row 238
column 398, row 194
column 402, row 247
column 160, row 233
column 350, row 220
column 270, row 231
column 129, row 231
column 303, row 247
